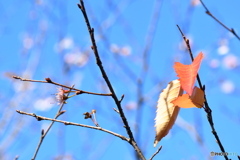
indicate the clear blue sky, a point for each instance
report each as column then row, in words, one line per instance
column 43, row 38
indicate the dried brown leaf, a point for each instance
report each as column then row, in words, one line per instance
column 166, row 112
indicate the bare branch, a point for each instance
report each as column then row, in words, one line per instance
column 159, row 149
column 207, row 109
column 74, row 124
column 211, row 15
column 105, row 77
column 191, row 55
column 48, row 80
column 44, row 133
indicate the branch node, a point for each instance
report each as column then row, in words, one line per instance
column 79, row 6
column 78, row 92
column 66, row 123
column 48, row 80
column 209, row 13
column 38, row 118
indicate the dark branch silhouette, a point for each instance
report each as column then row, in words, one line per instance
column 211, row 15
column 207, row 109
column 105, row 77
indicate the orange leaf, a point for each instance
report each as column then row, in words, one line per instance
column 196, row 100
column 183, row 101
column 187, row 73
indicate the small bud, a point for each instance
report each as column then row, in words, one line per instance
column 65, row 97
column 60, row 113
column 42, row 132
column 203, row 87
column 121, row 98
column 66, row 123
column 38, row 118
column 94, row 111
column 78, row 92
column 48, row 80
column 15, row 77
column 87, row 115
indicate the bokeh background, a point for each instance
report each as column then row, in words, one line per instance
column 138, row 42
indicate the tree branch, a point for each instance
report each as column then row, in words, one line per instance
column 211, row 15
column 207, row 109
column 105, row 77
column 74, row 124
column 159, row 149
column 44, row 133
column 48, row 80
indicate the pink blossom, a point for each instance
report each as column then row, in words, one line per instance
column 60, row 95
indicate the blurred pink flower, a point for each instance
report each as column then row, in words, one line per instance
column 230, row 61
column 227, row 86
column 195, row 2
column 214, row 63
column 124, row 51
column 76, row 58
column 60, row 95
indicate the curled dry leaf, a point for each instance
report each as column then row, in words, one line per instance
column 187, row 73
column 166, row 112
column 186, row 101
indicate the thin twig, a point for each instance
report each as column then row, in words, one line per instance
column 191, row 55
column 48, row 80
column 44, row 133
column 74, row 124
column 116, row 110
column 211, row 15
column 159, row 149
column 207, row 109
column 105, row 77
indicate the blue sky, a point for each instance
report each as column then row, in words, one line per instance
column 43, row 38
